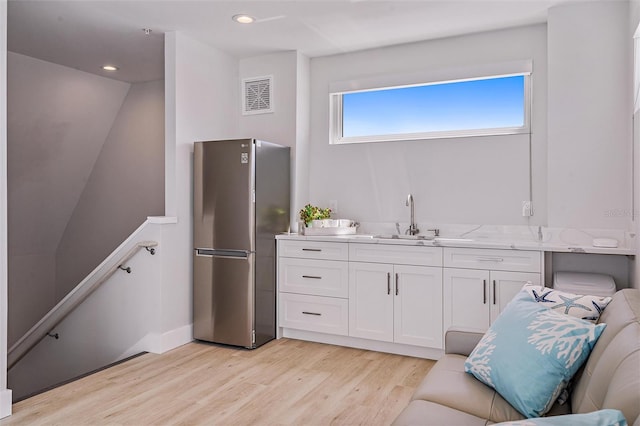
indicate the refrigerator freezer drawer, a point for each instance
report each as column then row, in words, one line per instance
column 314, row 313
column 223, row 300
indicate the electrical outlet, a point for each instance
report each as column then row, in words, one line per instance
column 333, row 205
column 527, row 208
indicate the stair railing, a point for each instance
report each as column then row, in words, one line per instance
column 45, row 326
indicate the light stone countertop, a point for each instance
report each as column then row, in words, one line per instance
column 499, row 241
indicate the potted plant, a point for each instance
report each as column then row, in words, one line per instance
column 310, row 213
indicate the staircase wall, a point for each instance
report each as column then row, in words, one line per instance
column 125, row 186
column 58, row 119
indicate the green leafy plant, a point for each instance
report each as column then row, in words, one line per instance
column 309, row 213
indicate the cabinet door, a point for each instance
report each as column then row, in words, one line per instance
column 418, row 306
column 371, row 301
column 505, row 285
column 466, row 298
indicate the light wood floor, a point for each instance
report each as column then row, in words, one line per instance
column 285, row 382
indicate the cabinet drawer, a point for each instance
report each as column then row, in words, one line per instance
column 313, row 250
column 396, row 254
column 314, row 277
column 491, row 259
column 314, row 313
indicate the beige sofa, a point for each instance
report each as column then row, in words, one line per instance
column 610, row 378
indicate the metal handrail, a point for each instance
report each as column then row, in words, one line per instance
column 69, row 303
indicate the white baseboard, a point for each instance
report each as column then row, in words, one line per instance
column 5, row 403
column 371, row 345
column 161, row 343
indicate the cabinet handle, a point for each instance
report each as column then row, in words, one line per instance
column 490, row 259
column 494, row 292
column 312, row 313
column 388, row 282
column 396, row 284
column 312, row 277
column 308, row 249
column 484, row 292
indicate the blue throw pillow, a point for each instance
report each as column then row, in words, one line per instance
column 606, row 417
column 530, row 353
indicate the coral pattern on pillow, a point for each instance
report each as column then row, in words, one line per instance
column 581, row 306
column 530, row 353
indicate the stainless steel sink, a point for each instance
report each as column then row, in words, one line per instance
column 404, row 237
column 436, row 240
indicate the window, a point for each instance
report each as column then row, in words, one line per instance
column 494, row 105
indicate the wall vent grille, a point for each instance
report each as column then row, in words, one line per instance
column 258, row 95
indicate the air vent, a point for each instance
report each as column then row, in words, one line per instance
column 258, row 95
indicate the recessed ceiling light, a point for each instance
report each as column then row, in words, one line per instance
column 243, row 19
column 109, row 68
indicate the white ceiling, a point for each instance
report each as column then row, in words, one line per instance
column 85, row 34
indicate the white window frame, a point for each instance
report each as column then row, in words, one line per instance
column 336, row 111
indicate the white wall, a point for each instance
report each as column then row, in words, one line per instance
column 280, row 125
column 289, row 123
column 201, row 89
column 300, row 182
column 463, row 180
column 5, row 394
column 58, row 119
column 589, row 116
column 634, row 31
column 125, row 186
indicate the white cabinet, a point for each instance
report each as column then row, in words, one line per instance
column 314, row 313
column 313, row 250
column 395, row 302
column 418, row 306
column 313, row 284
column 482, row 282
column 370, row 301
column 394, row 297
column 314, row 277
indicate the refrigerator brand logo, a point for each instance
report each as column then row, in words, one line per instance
column 244, row 158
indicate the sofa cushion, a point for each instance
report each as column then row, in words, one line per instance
column 461, row 341
column 600, row 418
column 581, row 306
column 618, row 376
column 530, row 353
column 611, row 376
column 427, row 413
column 447, row 384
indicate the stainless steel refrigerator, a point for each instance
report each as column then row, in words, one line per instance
column 241, row 200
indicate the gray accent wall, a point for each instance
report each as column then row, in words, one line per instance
column 63, row 128
column 125, row 186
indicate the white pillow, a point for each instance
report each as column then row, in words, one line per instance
column 581, row 306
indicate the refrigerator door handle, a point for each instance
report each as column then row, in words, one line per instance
column 233, row 254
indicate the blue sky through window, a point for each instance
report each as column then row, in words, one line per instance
column 464, row 105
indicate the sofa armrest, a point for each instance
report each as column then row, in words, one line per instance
column 461, row 341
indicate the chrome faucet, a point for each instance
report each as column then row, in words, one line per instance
column 413, row 228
